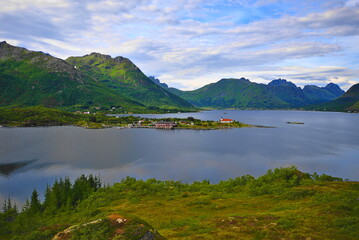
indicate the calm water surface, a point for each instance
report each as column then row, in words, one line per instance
column 326, row 143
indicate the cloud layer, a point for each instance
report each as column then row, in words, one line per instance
column 190, row 43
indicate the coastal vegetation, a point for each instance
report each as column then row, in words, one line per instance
column 41, row 116
column 284, row 203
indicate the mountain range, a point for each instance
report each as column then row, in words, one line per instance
column 242, row 93
column 29, row 78
column 348, row 102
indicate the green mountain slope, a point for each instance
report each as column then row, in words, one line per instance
column 125, row 78
column 233, row 93
column 288, row 92
column 241, row 93
column 316, row 94
column 349, row 101
column 29, row 78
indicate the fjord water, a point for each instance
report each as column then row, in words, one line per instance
column 327, row 142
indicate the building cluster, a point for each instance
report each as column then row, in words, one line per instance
column 169, row 124
column 165, row 125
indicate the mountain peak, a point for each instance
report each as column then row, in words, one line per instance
column 100, row 55
column 158, row 82
column 8, row 51
column 334, row 88
column 280, row 82
column 235, row 79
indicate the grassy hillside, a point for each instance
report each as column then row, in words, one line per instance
column 29, row 78
column 282, row 204
column 124, row 77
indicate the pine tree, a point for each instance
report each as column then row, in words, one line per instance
column 35, row 204
column 9, row 205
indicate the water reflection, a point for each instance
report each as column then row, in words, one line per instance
column 6, row 169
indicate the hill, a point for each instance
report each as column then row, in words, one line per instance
column 349, row 101
column 29, row 78
column 125, row 78
column 242, row 93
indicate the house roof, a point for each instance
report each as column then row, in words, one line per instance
column 226, row 119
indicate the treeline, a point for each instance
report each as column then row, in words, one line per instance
column 62, row 196
column 274, row 181
column 42, row 116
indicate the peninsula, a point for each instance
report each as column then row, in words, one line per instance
column 41, row 116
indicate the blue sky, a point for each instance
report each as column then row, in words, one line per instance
column 190, row 43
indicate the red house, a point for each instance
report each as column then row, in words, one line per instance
column 226, row 120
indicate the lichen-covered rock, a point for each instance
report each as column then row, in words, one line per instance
column 114, row 227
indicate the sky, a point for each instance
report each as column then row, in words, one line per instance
column 190, row 43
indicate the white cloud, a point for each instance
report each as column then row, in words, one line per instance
column 352, row 3
column 189, row 42
column 16, row 5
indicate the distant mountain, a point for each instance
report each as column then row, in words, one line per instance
column 29, row 78
column 315, row 94
column 241, row 93
column 233, row 93
column 288, row 92
column 157, row 82
column 349, row 101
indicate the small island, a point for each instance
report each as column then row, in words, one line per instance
column 41, row 116
column 295, row 122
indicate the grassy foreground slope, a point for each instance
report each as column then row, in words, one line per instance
column 282, row 204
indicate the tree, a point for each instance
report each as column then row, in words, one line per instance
column 35, row 204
